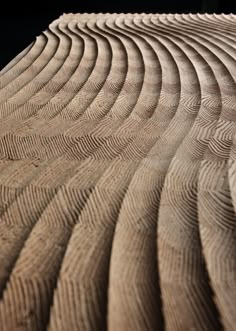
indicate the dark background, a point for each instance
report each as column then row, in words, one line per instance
column 21, row 23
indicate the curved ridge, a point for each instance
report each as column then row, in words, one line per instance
column 117, row 175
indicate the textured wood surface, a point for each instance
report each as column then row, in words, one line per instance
column 118, row 176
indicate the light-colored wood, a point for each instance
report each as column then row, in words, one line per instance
column 118, row 175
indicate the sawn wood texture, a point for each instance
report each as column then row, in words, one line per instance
column 118, row 176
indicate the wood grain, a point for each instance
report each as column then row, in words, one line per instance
column 118, row 175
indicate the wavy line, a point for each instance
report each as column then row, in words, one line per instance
column 217, row 151
column 117, row 182
column 20, row 67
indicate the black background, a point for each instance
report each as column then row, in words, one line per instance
column 21, row 23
